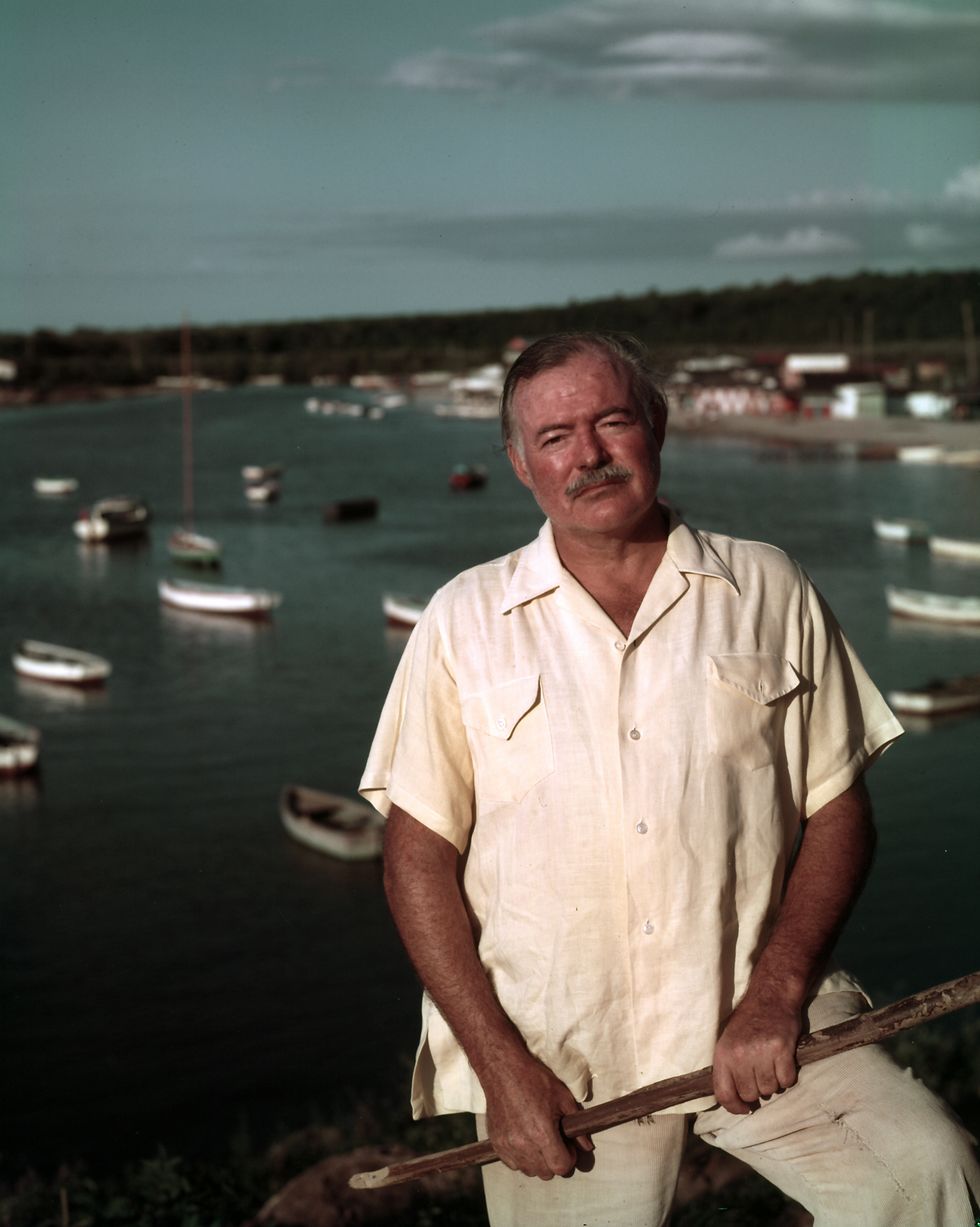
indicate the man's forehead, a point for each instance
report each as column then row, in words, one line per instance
column 578, row 373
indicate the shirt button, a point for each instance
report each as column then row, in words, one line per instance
column 619, row 645
column 641, row 827
column 635, row 734
column 501, row 722
column 647, row 927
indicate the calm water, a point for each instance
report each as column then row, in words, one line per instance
column 171, row 964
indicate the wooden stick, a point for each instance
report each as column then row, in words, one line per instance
column 867, row 1028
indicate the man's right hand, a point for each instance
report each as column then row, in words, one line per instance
column 525, row 1103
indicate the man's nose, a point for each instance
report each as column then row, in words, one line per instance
column 591, row 450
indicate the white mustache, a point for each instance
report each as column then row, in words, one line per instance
column 596, row 477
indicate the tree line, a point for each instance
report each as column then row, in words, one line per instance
column 871, row 315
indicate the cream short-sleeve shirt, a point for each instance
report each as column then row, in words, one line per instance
column 627, row 806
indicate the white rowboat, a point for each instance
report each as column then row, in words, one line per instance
column 49, row 662
column 348, row 829
column 937, row 698
column 20, row 745
column 906, row 531
column 934, row 606
column 218, row 598
column 952, row 547
column 55, row 487
column 402, row 610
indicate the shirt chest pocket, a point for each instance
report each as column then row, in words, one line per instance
column 510, row 740
column 748, row 694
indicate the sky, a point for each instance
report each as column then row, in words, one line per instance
column 256, row 160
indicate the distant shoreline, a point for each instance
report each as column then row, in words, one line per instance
column 836, row 433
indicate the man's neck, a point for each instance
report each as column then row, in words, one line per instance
column 616, row 570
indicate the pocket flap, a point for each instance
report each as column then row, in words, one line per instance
column 498, row 711
column 760, row 676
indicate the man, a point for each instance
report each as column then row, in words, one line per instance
column 597, row 758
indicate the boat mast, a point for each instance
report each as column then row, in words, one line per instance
column 187, row 447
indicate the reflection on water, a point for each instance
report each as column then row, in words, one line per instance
column 60, row 696
column 20, row 792
column 195, row 625
column 900, row 628
column 919, row 724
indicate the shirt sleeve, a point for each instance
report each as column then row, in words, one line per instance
column 419, row 759
column 848, row 723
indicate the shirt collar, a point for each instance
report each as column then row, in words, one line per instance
column 539, row 569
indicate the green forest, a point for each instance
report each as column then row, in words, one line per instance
column 874, row 316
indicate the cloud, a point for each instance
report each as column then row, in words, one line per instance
column 836, row 49
column 929, row 236
column 964, row 187
column 801, row 241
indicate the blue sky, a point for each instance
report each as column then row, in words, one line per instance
column 247, row 160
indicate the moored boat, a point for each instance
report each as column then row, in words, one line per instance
column 261, row 472
column 265, row 491
column 921, row 453
column 468, row 477
column 193, row 548
column 20, row 745
column 938, row 697
column 112, row 519
column 218, row 598
column 339, row 826
column 402, row 610
column 935, row 607
column 907, row 531
column 50, row 662
column 350, row 509
column 55, row 487
column 954, row 547
column 184, row 545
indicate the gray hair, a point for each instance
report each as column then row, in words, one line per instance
column 622, row 351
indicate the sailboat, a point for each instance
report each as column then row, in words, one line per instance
column 184, row 544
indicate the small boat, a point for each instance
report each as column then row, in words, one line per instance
column 922, row 453
column 350, row 509
column 906, row 531
column 112, row 519
column 261, row 472
column 348, row 829
column 20, row 745
column 938, row 697
column 55, row 487
column 402, row 610
column 969, row 457
column 49, row 662
column 184, row 544
column 953, row 547
column 468, row 477
column 194, row 548
column 218, row 598
column 266, row 491
column 933, row 606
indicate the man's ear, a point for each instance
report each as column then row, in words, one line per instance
column 518, row 465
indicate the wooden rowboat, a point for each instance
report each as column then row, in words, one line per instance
column 50, row 662
column 938, row 697
column 934, row 607
column 20, row 745
column 348, row 829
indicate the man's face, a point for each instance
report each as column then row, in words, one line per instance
column 586, row 453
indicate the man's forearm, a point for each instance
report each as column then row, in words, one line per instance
column 423, row 893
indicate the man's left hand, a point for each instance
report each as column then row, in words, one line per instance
column 756, row 1052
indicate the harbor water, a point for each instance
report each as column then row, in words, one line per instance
column 173, row 967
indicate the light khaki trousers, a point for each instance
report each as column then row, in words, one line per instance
column 858, row 1142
